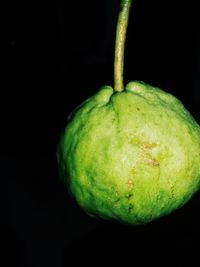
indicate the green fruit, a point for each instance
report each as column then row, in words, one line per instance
column 132, row 156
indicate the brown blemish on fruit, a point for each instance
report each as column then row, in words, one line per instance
column 152, row 162
column 139, row 141
column 148, row 146
column 130, row 183
column 146, row 151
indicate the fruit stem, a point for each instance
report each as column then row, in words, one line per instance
column 121, row 30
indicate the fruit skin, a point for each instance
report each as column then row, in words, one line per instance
column 132, row 156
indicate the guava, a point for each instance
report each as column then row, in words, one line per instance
column 130, row 153
column 132, row 156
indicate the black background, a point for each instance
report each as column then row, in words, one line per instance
column 53, row 56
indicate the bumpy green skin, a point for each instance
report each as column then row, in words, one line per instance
column 131, row 156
